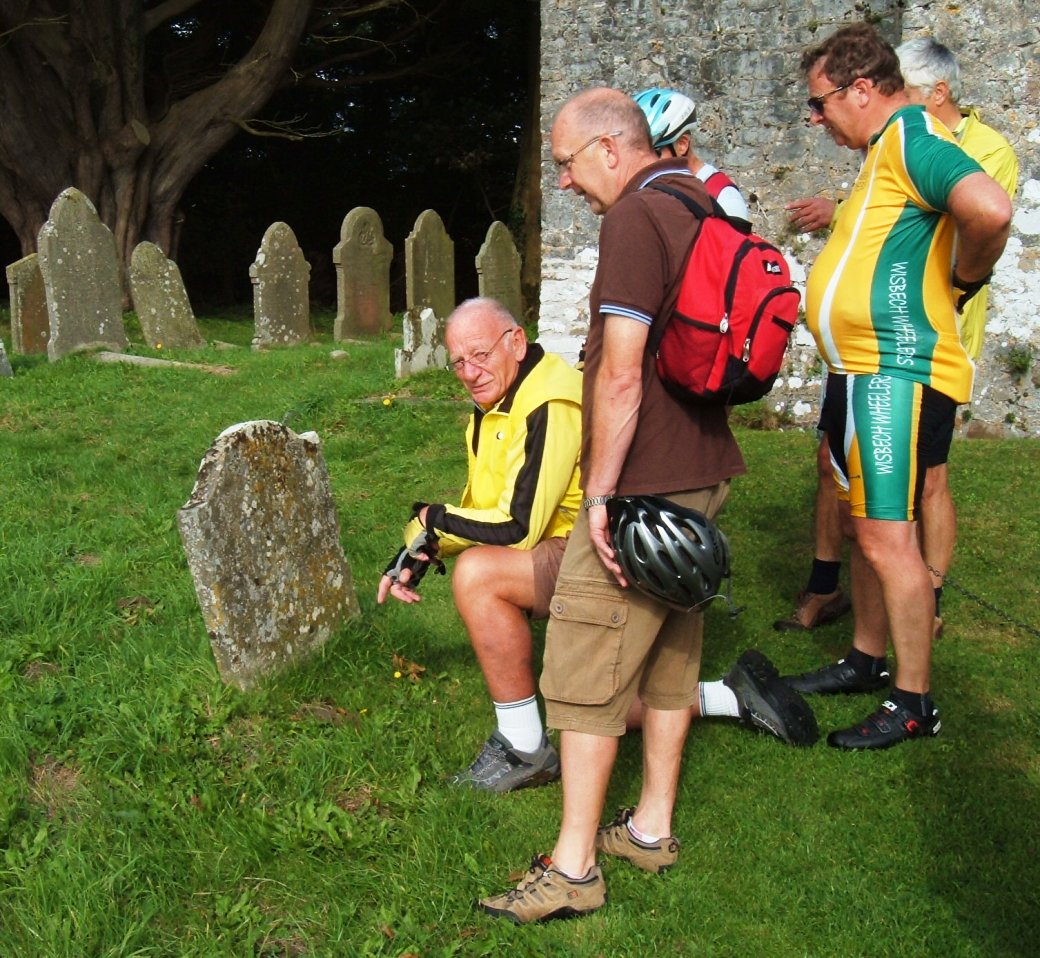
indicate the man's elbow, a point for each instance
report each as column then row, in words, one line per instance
column 994, row 212
column 998, row 214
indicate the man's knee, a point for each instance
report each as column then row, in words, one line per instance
column 471, row 573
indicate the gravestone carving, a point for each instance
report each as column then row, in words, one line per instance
column 81, row 277
column 30, row 327
column 161, row 301
column 262, row 540
column 281, row 290
column 423, row 344
column 362, row 258
column 498, row 269
column 429, row 261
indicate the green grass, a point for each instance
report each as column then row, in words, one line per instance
column 147, row 810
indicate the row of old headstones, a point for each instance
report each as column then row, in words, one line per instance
column 68, row 296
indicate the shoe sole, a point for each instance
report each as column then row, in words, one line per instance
column 762, row 678
column 560, row 914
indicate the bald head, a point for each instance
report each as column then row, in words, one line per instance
column 480, row 309
column 604, row 109
column 600, row 139
column 485, row 347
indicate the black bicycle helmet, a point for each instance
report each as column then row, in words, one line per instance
column 672, row 553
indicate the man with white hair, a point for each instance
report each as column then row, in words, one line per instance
column 509, row 529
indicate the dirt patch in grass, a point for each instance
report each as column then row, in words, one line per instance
column 53, row 785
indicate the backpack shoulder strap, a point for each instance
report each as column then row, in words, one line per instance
column 740, row 225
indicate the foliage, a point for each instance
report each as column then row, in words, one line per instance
column 197, row 123
column 1018, row 358
column 147, row 810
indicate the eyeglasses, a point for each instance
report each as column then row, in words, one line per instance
column 815, row 103
column 478, row 359
column 565, row 163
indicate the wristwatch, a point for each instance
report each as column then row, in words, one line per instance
column 595, row 501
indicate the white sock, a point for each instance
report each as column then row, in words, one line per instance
column 717, row 698
column 521, row 724
column 641, row 836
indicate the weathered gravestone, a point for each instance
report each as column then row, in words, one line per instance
column 362, row 257
column 281, row 290
column 80, row 269
column 30, row 328
column 498, row 269
column 429, row 263
column 423, row 344
column 5, row 364
column 161, row 301
column 262, row 540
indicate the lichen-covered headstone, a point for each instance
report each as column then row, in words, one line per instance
column 30, row 327
column 429, row 263
column 262, row 540
column 423, row 344
column 281, row 290
column 161, row 301
column 5, row 363
column 362, row 258
column 498, row 269
column 81, row 277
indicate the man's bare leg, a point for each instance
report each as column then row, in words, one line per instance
column 587, row 761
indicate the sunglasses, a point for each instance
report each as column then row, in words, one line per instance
column 815, row 103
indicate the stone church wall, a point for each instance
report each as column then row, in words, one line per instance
column 738, row 59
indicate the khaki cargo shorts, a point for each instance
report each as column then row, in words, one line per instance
column 605, row 645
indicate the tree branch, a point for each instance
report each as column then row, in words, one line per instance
column 165, row 11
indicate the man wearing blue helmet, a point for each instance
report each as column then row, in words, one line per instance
column 672, row 117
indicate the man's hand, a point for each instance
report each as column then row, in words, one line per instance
column 968, row 289
column 404, row 573
column 811, row 213
column 600, row 535
column 398, row 588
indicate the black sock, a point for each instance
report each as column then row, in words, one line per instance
column 920, row 703
column 866, row 664
column 823, row 579
column 938, row 600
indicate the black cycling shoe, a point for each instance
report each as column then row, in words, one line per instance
column 888, row 726
column 768, row 704
column 837, row 677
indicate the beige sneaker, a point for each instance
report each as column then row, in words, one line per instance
column 616, row 839
column 814, row 610
column 544, row 894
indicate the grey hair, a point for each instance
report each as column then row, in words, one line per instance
column 925, row 62
column 482, row 305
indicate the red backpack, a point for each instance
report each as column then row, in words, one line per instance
column 725, row 341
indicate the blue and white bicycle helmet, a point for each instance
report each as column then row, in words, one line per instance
column 670, row 115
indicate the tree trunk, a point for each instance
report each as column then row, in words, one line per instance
column 72, row 97
column 527, row 194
